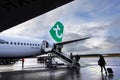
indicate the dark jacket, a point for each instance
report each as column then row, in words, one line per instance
column 101, row 61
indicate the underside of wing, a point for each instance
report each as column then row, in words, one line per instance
column 14, row 12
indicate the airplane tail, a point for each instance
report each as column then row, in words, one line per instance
column 56, row 32
column 55, row 35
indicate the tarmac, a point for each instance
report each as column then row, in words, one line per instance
column 32, row 70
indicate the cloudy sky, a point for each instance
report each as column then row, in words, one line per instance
column 97, row 18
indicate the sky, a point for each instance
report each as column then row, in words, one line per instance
column 99, row 19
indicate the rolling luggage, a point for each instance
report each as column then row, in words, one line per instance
column 110, row 71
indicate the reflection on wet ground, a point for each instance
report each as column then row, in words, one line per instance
column 86, row 72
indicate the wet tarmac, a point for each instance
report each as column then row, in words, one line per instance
column 33, row 71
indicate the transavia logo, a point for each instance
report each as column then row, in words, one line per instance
column 57, row 32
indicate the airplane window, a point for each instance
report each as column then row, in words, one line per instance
column 18, row 43
column 21, row 43
column 33, row 44
column 27, row 43
column 38, row 45
column 11, row 43
column 7, row 42
column 30, row 44
column 14, row 43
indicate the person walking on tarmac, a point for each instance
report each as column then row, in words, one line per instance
column 101, row 63
column 22, row 62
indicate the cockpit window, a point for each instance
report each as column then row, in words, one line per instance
column 2, row 41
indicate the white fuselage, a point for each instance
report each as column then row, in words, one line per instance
column 17, row 47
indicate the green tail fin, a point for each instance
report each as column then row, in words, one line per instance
column 57, row 31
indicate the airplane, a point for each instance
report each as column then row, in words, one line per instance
column 17, row 47
column 21, row 11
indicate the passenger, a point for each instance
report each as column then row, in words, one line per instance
column 77, row 57
column 22, row 62
column 71, row 56
column 54, row 47
column 101, row 63
column 59, row 49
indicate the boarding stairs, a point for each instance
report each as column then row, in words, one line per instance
column 66, row 59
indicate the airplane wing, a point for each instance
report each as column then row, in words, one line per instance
column 86, row 55
column 97, row 55
column 14, row 12
column 67, row 42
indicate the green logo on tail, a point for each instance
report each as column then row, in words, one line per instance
column 57, row 32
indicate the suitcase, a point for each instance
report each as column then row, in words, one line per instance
column 110, row 70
